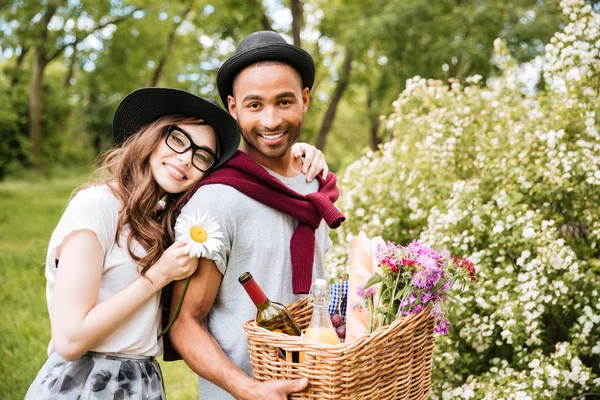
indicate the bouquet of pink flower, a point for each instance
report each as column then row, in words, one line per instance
column 410, row 278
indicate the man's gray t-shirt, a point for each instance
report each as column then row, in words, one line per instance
column 257, row 240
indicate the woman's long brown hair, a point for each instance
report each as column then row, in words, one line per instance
column 130, row 180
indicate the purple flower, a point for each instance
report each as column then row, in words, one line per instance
column 427, row 261
column 446, row 286
column 365, row 294
column 420, row 279
column 436, row 311
column 425, row 298
column 430, row 279
column 441, row 326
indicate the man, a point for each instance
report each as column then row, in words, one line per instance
column 259, row 199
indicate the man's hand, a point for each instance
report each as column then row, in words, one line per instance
column 276, row 390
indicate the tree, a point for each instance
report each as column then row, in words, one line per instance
column 297, row 8
column 395, row 40
column 177, row 21
column 48, row 29
column 340, row 88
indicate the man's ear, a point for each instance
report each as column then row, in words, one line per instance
column 305, row 99
column 231, row 106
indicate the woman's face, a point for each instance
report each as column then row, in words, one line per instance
column 175, row 173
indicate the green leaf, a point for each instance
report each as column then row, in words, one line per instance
column 375, row 279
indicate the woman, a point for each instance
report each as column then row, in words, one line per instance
column 108, row 260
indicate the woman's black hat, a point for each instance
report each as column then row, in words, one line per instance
column 146, row 105
column 262, row 46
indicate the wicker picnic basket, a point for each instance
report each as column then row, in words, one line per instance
column 394, row 362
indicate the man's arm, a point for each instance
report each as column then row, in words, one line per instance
column 190, row 337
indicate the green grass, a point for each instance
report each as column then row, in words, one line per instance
column 29, row 211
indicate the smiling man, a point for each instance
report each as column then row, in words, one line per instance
column 275, row 223
column 269, row 103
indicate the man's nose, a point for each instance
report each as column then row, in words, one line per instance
column 270, row 118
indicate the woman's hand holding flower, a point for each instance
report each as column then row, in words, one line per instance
column 175, row 264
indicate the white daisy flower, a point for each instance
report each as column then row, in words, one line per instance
column 202, row 234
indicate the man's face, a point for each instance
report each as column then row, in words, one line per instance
column 269, row 104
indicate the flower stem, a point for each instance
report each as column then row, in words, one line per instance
column 371, row 313
column 185, row 287
column 394, row 295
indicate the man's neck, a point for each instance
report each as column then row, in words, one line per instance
column 287, row 166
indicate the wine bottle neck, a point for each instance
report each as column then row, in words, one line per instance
column 256, row 294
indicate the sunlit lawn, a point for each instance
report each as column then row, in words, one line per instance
column 28, row 213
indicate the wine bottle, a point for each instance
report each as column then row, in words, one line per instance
column 270, row 314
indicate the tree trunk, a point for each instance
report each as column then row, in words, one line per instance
column 337, row 96
column 35, row 109
column 16, row 75
column 374, row 130
column 297, row 20
column 170, row 46
column 71, row 70
column 264, row 19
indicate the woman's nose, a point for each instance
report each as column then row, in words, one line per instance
column 185, row 157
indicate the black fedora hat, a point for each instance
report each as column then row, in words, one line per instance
column 146, row 105
column 263, row 46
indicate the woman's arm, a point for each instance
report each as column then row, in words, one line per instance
column 314, row 160
column 78, row 325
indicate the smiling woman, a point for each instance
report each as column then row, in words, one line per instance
column 104, row 314
column 174, row 168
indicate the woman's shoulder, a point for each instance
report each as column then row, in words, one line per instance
column 95, row 199
column 96, row 194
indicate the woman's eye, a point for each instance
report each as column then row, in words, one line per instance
column 200, row 157
column 177, row 140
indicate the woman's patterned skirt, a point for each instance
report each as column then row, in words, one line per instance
column 98, row 376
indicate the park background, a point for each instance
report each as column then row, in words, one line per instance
column 471, row 125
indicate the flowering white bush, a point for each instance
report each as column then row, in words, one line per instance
column 511, row 181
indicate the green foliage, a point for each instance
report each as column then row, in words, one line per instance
column 64, row 144
column 390, row 41
column 14, row 145
column 511, row 180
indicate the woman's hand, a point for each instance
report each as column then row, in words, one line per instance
column 314, row 160
column 175, row 264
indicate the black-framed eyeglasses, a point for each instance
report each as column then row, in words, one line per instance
column 180, row 141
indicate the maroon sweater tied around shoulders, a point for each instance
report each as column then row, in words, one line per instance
column 248, row 177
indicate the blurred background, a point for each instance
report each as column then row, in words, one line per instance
column 66, row 64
